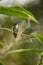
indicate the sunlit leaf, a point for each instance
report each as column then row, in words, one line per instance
column 29, row 14
column 18, row 12
column 39, row 37
column 25, row 50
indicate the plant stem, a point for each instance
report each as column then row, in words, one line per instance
column 7, row 29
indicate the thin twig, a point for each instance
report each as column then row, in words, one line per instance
column 25, row 35
column 7, row 29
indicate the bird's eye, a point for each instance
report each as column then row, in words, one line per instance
column 15, row 30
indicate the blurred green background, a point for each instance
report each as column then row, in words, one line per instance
column 7, row 40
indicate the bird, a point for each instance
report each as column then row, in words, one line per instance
column 15, row 29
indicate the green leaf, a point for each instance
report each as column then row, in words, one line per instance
column 17, row 11
column 24, row 50
column 30, row 15
column 39, row 37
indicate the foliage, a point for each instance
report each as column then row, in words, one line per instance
column 20, row 12
column 39, row 37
